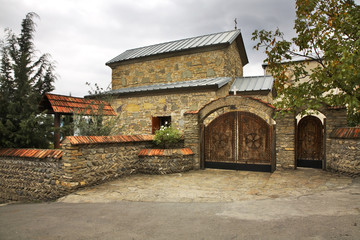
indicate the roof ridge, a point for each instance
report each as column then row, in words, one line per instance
column 183, row 44
column 61, row 95
column 183, row 39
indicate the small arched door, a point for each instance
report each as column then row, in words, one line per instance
column 310, row 142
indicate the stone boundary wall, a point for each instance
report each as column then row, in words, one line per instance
column 38, row 175
column 91, row 163
column 165, row 161
column 30, row 174
column 344, row 153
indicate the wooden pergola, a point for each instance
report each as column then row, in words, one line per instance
column 66, row 105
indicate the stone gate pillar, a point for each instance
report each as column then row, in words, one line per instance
column 192, row 135
column 285, row 141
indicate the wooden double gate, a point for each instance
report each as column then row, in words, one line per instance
column 241, row 141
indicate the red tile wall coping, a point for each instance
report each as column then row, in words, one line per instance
column 31, row 153
column 165, row 152
column 346, row 132
column 77, row 140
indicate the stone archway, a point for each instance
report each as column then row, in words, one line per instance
column 195, row 127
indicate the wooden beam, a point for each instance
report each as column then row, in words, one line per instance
column 57, row 130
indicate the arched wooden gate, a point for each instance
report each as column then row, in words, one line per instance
column 310, row 142
column 241, row 141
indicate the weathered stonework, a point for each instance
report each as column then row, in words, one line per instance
column 334, row 118
column 215, row 63
column 165, row 161
column 344, row 156
column 344, row 152
column 85, row 161
column 89, row 164
column 24, row 179
column 238, row 103
column 192, row 135
column 136, row 112
column 285, row 142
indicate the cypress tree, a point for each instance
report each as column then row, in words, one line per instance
column 24, row 78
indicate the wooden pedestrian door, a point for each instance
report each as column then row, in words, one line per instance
column 238, row 140
column 310, row 140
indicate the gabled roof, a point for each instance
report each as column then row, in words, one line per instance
column 210, row 40
column 70, row 105
column 208, row 82
column 249, row 84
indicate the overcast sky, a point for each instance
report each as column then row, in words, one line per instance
column 82, row 35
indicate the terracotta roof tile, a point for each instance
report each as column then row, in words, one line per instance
column 165, row 152
column 346, row 132
column 70, row 105
column 31, row 153
column 77, row 140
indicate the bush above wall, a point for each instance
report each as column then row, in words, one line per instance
column 167, row 137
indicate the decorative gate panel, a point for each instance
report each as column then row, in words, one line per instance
column 254, row 139
column 220, row 144
column 238, row 140
column 310, row 142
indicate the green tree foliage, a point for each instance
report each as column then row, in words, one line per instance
column 24, row 78
column 328, row 33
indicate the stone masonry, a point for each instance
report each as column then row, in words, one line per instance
column 344, row 156
column 137, row 109
column 85, row 161
column 344, row 152
column 285, row 141
column 165, row 161
column 136, row 112
column 23, row 179
column 89, row 163
column 216, row 63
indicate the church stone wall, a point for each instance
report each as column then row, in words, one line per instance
column 223, row 62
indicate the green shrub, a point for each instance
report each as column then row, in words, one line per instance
column 167, row 137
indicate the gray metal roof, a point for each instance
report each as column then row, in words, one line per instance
column 257, row 83
column 180, row 45
column 218, row 82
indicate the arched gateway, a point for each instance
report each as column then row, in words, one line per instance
column 238, row 140
column 241, row 137
column 310, row 142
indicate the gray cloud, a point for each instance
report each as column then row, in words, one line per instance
column 82, row 35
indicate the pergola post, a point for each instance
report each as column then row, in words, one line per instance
column 57, row 131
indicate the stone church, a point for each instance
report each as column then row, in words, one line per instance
column 197, row 85
column 155, row 85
